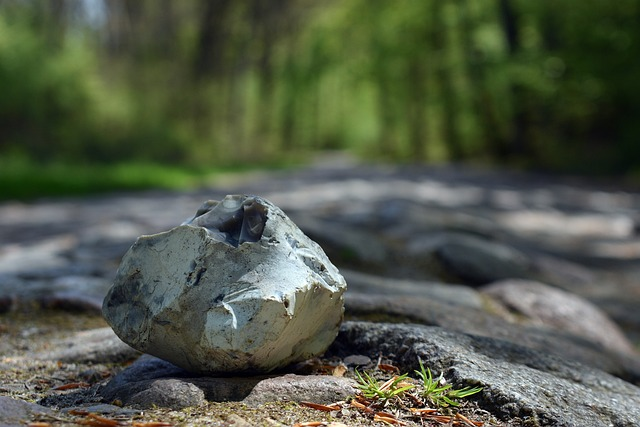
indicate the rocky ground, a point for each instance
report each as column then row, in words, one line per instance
column 523, row 285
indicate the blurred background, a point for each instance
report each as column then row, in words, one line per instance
column 102, row 94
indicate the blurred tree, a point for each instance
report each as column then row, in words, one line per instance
column 211, row 57
column 541, row 84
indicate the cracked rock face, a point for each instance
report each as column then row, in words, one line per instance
column 238, row 288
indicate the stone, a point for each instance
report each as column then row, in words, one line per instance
column 44, row 255
column 356, row 360
column 238, row 288
column 70, row 293
column 323, row 389
column 624, row 311
column 565, row 274
column 51, row 249
column 469, row 259
column 15, row 412
column 520, row 385
column 91, row 346
column 560, row 342
column 447, row 293
column 150, row 382
column 347, row 245
column 544, row 305
column 172, row 393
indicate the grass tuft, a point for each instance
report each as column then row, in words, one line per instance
column 439, row 392
column 384, row 391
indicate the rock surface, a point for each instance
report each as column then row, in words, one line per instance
column 465, row 258
column 519, row 383
column 562, row 343
column 14, row 412
column 92, row 346
column 399, row 236
column 239, row 288
column 540, row 304
column 153, row 382
column 323, row 389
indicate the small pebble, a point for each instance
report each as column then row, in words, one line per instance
column 356, row 360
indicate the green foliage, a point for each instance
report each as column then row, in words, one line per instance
column 385, row 391
column 434, row 390
column 22, row 178
column 543, row 84
column 55, row 107
column 439, row 392
column 44, row 100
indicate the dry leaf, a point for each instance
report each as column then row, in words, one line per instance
column 339, row 370
column 360, row 406
column 98, row 421
column 387, row 418
column 468, row 421
column 422, row 411
column 71, row 386
column 326, row 408
column 151, row 424
column 388, row 368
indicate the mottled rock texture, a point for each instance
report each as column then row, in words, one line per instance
column 519, row 383
column 14, row 412
column 238, row 288
column 543, row 305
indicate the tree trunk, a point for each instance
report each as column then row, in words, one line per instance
column 519, row 143
column 210, row 51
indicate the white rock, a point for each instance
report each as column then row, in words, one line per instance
column 238, row 288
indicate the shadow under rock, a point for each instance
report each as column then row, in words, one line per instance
column 152, row 381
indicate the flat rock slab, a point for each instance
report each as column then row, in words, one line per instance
column 323, row 389
column 446, row 293
column 100, row 345
column 431, row 312
column 541, row 304
column 466, row 258
column 150, row 382
column 519, row 383
column 69, row 291
column 14, row 412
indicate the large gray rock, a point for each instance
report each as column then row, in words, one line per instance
column 465, row 258
column 521, row 385
column 237, row 288
column 540, row 304
column 559, row 340
column 447, row 293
